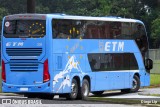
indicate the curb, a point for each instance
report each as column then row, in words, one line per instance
column 10, row 94
column 149, row 94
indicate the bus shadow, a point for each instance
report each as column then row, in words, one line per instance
column 109, row 94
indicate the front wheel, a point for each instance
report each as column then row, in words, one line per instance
column 74, row 90
column 85, row 89
column 135, row 84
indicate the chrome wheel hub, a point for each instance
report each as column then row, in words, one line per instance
column 73, row 89
column 134, row 84
column 85, row 90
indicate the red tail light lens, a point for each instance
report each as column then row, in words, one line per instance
column 46, row 76
column 3, row 72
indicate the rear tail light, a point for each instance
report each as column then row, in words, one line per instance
column 46, row 76
column 3, row 72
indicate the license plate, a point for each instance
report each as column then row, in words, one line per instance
column 23, row 89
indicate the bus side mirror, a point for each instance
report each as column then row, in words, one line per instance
column 148, row 64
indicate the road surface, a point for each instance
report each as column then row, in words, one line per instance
column 62, row 102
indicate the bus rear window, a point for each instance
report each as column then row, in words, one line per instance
column 24, row 28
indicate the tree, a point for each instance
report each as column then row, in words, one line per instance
column 14, row 7
column 30, row 6
column 146, row 10
column 155, row 35
column 3, row 12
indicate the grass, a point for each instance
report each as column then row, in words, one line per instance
column 155, row 80
column 157, row 95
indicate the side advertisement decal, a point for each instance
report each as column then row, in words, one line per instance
column 71, row 64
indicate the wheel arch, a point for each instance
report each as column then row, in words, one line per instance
column 137, row 74
column 77, row 78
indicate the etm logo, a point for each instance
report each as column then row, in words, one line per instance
column 14, row 44
column 114, row 46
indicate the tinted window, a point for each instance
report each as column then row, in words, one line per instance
column 112, row 62
column 141, row 39
column 92, row 29
column 24, row 28
column 67, row 28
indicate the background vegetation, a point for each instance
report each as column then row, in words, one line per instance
column 145, row 10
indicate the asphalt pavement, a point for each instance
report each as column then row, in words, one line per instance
column 62, row 102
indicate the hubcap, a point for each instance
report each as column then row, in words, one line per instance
column 134, row 84
column 74, row 89
column 85, row 90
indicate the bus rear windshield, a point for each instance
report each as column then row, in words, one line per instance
column 24, row 28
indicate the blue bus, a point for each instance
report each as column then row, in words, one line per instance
column 71, row 56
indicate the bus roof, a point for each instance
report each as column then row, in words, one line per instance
column 105, row 18
column 74, row 17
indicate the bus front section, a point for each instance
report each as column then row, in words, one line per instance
column 24, row 60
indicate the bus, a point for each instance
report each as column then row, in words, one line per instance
column 72, row 56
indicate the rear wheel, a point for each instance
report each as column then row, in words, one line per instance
column 74, row 90
column 85, row 89
column 97, row 92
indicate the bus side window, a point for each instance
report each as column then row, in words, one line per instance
column 54, row 31
column 106, row 31
column 141, row 38
column 88, row 32
column 55, row 28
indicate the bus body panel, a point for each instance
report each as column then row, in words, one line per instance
column 38, row 88
column 69, row 58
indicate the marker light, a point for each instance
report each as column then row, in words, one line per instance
column 3, row 72
column 46, row 76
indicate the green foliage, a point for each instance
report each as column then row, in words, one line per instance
column 42, row 9
column 3, row 12
column 155, row 35
column 145, row 10
column 155, row 80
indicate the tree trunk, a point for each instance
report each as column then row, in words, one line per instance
column 30, row 6
column 158, row 1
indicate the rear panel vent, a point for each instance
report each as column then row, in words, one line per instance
column 24, row 51
column 24, row 67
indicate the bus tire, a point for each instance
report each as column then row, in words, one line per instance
column 98, row 93
column 135, row 84
column 85, row 89
column 74, row 90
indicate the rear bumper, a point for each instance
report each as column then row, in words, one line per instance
column 42, row 88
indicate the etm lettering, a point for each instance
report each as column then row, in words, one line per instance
column 114, row 46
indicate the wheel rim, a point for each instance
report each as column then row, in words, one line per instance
column 134, row 84
column 74, row 89
column 85, row 90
